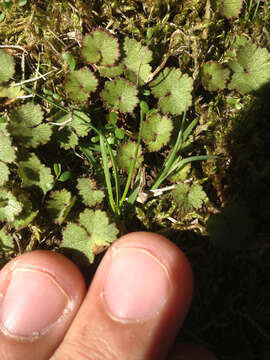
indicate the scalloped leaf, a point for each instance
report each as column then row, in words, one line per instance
column 79, row 122
column 11, row 92
column 7, row 66
column 251, row 70
column 9, row 206
column 3, row 125
column 75, row 237
column 27, row 215
column 26, row 125
column 126, row 154
column 156, row 131
column 86, row 239
column 180, row 175
column 57, row 205
column 90, row 196
column 100, row 47
column 120, row 94
column 7, row 153
column 65, row 138
column 214, row 76
column 173, row 89
column 97, row 224
column 34, row 173
column 4, row 173
column 111, row 71
column 6, row 242
column 230, row 8
column 188, row 197
column 137, row 61
column 80, row 83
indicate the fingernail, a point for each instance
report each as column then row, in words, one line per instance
column 137, row 285
column 32, row 302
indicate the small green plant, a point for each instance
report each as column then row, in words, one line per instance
column 116, row 111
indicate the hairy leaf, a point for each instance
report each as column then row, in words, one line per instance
column 97, row 224
column 11, row 92
column 6, row 242
column 9, row 206
column 93, row 232
column 7, row 153
column 65, row 138
column 181, row 175
column 26, row 125
column 188, row 197
column 137, row 60
column 3, row 125
column 34, row 173
column 90, row 196
column 101, row 48
column 111, row 71
column 80, row 83
column 156, row 131
column 120, row 94
column 57, row 205
column 251, row 70
column 126, row 154
column 27, row 214
column 214, row 76
column 78, row 122
column 4, row 173
column 173, row 89
column 229, row 8
column 75, row 237
column 7, row 66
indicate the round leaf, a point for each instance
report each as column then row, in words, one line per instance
column 173, row 90
column 101, row 48
column 7, row 67
column 126, row 154
column 156, row 131
column 120, row 94
column 214, row 76
column 80, row 83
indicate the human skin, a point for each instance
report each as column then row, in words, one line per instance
column 132, row 310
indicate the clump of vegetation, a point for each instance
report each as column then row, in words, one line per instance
column 121, row 116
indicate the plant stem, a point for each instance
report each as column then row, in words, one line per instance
column 133, row 163
column 171, row 158
column 107, row 172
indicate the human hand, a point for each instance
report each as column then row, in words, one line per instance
column 133, row 309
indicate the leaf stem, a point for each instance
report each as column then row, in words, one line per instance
column 133, row 163
column 106, row 172
column 171, row 158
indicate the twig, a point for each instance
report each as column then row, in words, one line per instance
column 13, row 47
column 34, row 79
column 161, row 66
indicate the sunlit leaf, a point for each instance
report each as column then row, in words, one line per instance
column 9, row 206
column 80, row 83
column 251, row 69
column 126, row 154
column 156, row 131
column 214, row 76
column 90, row 196
column 173, row 89
column 100, row 47
column 188, row 197
column 7, row 66
column 120, row 94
